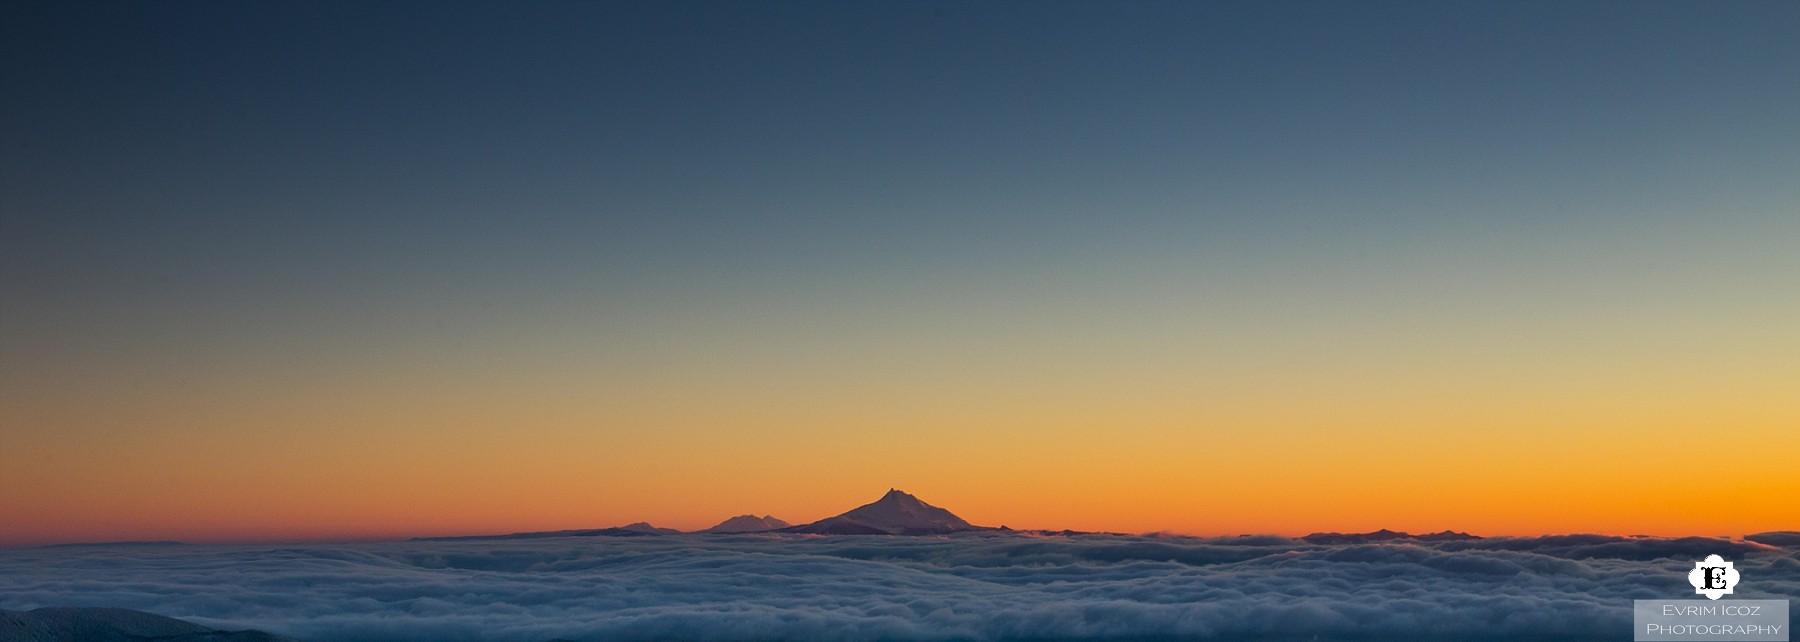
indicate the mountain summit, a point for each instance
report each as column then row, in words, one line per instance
column 896, row 513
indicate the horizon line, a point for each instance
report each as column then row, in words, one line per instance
column 383, row 539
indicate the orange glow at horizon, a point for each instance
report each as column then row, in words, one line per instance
column 1110, row 460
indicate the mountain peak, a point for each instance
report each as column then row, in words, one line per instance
column 897, row 495
column 896, row 513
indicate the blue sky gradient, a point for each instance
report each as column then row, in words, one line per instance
column 981, row 211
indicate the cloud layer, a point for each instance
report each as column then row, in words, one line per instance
column 820, row 589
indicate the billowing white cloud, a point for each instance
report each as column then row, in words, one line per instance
column 818, row 589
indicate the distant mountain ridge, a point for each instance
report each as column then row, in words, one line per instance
column 635, row 529
column 1782, row 539
column 1384, row 535
column 748, row 524
column 896, row 513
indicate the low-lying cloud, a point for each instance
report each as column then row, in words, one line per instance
column 820, row 589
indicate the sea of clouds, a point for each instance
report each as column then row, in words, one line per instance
column 968, row 587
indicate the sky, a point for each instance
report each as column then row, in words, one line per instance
column 297, row 271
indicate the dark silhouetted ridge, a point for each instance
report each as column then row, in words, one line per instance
column 639, row 529
column 748, row 524
column 61, row 624
column 1385, row 535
